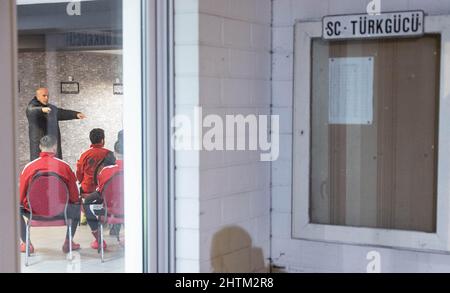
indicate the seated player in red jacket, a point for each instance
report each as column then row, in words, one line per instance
column 95, row 198
column 91, row 160
column 47, row 162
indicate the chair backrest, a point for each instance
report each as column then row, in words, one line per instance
column 109, row 160
column 48, row 195
column 113, row 195
column 99, row 168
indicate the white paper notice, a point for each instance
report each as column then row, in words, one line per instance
column 351, row 90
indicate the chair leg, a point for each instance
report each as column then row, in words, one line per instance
column 82, row 211
column 102, row 249
column 70, row 242
column 27, row 243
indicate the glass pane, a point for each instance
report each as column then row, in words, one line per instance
column 71, row 112
column 374, row 133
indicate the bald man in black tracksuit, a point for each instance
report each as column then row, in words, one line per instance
column 43, row 119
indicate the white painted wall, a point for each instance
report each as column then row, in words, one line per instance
column 223, row 198
column 304, row 256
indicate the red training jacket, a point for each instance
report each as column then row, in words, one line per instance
column 87, row 164
column 107, row 173
column 48, row 163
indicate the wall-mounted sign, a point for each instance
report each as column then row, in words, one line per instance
column 79, row 40
column 70, row 88
column 86, row 39
column 365, row 26
column 118, row 89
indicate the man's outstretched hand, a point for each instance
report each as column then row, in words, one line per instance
column 81, row 116
column 46, row 110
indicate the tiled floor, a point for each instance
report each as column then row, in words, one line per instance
column 48, row 257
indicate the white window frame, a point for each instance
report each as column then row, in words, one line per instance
column 157, row 106
column 132, row 122
column 9, row 218
column 140, row 55
column 302, row 228
column 148, row 158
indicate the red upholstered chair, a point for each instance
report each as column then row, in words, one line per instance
column 113, row 204
column 48, row 199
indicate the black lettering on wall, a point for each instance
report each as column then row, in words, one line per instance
column 406, row 22
column 329, row 29
column 337, row 28
column 363, row 25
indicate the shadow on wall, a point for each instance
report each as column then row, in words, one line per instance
column 232, row 251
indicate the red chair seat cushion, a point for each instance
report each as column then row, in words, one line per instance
column 50, row 223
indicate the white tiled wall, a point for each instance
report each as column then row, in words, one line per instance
column 223, row 64
column 303, row 256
